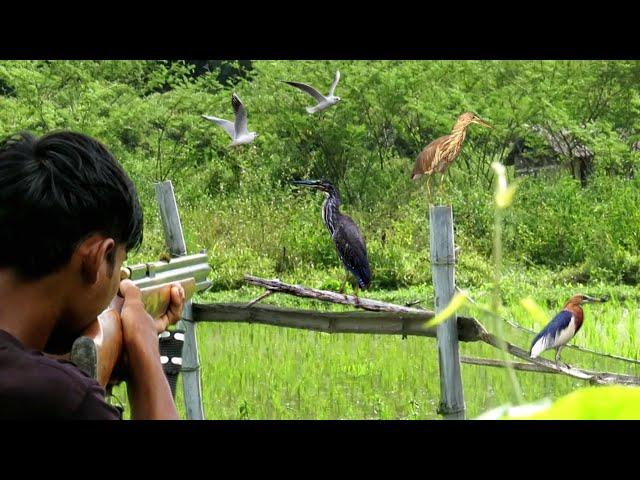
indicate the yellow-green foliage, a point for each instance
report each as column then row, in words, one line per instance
column 238, row 204
column 603, row 403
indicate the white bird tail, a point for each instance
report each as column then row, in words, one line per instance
column 538, row 348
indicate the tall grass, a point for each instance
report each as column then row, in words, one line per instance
column 264, row 372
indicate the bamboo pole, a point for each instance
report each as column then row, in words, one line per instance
column 174, row 239
column 530, row 367
column 443, row 259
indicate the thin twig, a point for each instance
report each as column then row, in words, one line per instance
column 261, row 297
column 487, row 362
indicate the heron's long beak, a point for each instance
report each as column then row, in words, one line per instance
column 589, row 299
column 306, row 183
column 479, row 121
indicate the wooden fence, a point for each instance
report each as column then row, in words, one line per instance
column 378, row 318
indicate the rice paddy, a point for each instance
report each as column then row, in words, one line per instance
column 265, row 372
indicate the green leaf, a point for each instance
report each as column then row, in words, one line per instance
column 534, row 310
column 457, row 302
column 591, row 403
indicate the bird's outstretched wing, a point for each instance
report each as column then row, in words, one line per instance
column 428, row 159
column 352, row 250
column 227, row 125
column 335, row 83
column 309, row 89
column 546, row 339
column 241, row 116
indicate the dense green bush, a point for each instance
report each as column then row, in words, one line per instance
column 238, row 203
column 594, row 230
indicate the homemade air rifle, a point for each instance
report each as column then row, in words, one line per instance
column 98, row 351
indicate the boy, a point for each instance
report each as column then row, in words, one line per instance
column 68, row 216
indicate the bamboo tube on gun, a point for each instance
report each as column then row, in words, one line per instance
column 98, row 351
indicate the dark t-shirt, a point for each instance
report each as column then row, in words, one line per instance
column 34, row 386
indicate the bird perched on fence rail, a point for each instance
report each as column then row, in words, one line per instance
column 563, row 327
column 345, row 234
column 439, row 154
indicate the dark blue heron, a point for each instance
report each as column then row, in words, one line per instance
column 345, row 234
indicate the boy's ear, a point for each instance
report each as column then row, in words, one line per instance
column 95, row 251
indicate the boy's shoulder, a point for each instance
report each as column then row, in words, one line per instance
column 33, row 385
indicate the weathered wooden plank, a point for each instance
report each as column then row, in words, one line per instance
column 443, row 273
column 390, row 323
column 382, row 323
column 174, row 240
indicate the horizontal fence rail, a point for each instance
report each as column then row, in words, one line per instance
column 393, row 323
column 384, row 323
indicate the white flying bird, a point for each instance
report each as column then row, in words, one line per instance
column 323, row 102
column 238, row 131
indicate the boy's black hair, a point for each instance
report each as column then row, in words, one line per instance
column 55, row 191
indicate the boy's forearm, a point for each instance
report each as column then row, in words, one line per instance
column 148, row 389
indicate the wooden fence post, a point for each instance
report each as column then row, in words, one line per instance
column 443, row 274
column 174, row 239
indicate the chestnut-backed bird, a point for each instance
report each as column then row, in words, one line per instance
column 439, row 154
column 563, row 327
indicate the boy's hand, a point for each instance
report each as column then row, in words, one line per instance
column 133, row 307
column 140, row 330
column 149, row 391
column 174, row 311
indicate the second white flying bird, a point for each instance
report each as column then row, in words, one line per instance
column 323, row 102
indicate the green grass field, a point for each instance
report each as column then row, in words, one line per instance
column 265, row 372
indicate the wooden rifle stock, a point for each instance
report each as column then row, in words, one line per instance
column 98, row 351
